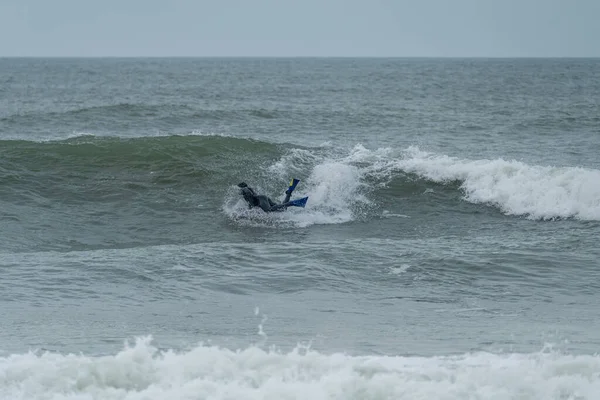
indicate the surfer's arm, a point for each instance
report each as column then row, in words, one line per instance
column 290, row 189
column 288, row 195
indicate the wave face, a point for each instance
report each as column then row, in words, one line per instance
column 337, row 181
column 124, row 182
column 142, row 371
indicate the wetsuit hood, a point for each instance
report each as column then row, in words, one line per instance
column 249, row 195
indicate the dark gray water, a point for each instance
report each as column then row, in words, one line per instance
column 449, row 247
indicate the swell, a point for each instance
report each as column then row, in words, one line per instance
column 122, row 112
column 88, row 153
column 96, row 192
column 384, row 175
column 136, row 111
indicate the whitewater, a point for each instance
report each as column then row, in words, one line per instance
column 141, row 371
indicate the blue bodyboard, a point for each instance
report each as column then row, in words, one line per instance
column 298, row 202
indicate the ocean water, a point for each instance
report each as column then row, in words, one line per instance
column 449, row 248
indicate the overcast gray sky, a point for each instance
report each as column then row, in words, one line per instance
column 437, row 28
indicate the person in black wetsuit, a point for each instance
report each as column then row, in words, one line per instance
column 260, row 200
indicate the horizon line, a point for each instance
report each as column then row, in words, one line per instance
column 298, row 56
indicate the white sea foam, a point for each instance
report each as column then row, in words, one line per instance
column 198, row 132
column 516, row 188
column 140, row 371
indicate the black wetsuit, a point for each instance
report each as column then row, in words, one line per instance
column 262, row 201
